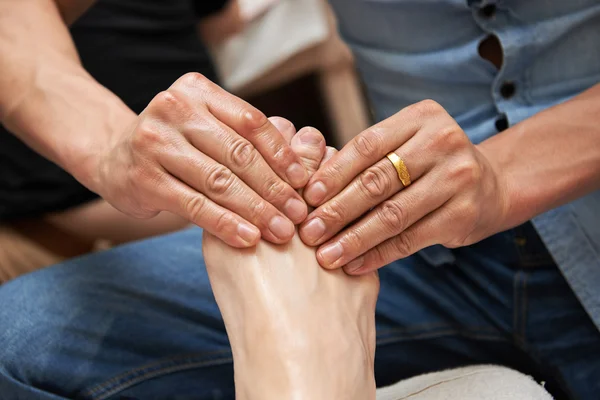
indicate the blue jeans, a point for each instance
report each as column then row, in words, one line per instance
column 140, row 322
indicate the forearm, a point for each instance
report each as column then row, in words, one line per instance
column 549, row 159
column 47, row 99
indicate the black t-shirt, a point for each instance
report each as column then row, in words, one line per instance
column 135, row 48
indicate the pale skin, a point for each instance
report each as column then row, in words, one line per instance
column 297, row 331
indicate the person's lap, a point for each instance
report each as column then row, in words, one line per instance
column 140, row 321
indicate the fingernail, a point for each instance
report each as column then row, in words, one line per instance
column 247, row 232
column 297, row 174
column 295, row 210
column 352, row 266
column 315, row 193
column 281, row 124
column 281, row 227
column 314, row 230
column 331, row 253
column 310, row 136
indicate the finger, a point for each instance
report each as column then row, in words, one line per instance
column 186, row 202
column 365, row 150
column 223, row 145
column 376, row 184
column 387, row 220
column 223, row 187
column 423, row 234
column 309, row 145
column 247, row 122
column 285, row 127
column 329, row 153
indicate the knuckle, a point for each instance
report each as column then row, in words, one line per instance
column 256, row 120
column 194, row 80
column 243, row 154
column 258, row 210
column 273, row 190
column 466, row 172
column 220, row 179
column 380, row 255
column 170, row 106
column 369, row 143
column 284, row 155
column 195, row 207
column 333, row 213
column 352, row 240
column 375, row 182
column 164, row 100
column 424, row 108
column 224, row 222
column 393, row 216
column 147, row 135
column 429, row 107
column 451, row 137
column 402, row 246
column 332, row 173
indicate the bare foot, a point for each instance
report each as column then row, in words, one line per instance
column 297, row 331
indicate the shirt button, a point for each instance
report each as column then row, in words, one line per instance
column 507, row 90
column 488, row 11
column 501, row 123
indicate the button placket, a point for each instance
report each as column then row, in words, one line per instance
column 501, row 123
column 487, row 17
column 507, row 89
column 488, row 11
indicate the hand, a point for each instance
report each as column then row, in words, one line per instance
column 457, row 197
column 276, row 301
column 210, row 157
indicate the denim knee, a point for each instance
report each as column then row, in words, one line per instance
column 27, row 317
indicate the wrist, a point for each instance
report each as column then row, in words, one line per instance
column 83, row 158
column 499, row 163
column 509, row 195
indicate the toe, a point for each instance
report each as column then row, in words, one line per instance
column 310, row 145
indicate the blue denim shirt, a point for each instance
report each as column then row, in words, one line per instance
column 410, row 50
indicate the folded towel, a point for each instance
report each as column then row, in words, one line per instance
column 485, row 382
column 251, row 9
column 287, row 28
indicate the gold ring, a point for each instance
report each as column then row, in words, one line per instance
column 400, row 168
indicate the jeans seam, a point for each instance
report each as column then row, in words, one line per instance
column 137, row 375
column 432, row 327
column 520, row 307
column 515, row 305
column 524, row 308
column 447, row 332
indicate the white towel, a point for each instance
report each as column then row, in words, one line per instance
column 251, row 9
column 286, row 29
column 484, row 382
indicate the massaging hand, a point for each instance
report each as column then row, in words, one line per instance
column 297, row 331
column 208, row 156
column 366, row 218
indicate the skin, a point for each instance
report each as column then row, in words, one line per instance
column 276, row 300
column 461, row 192
column 195, row 151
